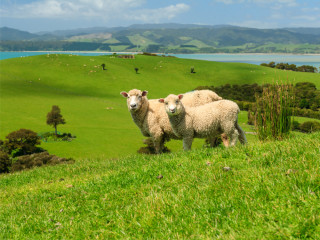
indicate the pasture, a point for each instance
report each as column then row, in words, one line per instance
column 258, row 191
column 90, row 101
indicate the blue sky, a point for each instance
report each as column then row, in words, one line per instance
column 49, row 15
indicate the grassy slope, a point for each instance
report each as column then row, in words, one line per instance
column 30, row 86
column 272, row 192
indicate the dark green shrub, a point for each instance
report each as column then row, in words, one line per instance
column 310, row 126
column 37, row 160
column 5, row 162
column 295, row 126
column 264, row 65
column 149, row 54
column 22, row 142
column 52, row 137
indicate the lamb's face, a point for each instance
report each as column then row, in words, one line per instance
column 173, row 104
column 134, row 99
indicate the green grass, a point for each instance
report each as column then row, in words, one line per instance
column 271, row 192
column 83, row 91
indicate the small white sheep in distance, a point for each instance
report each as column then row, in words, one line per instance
column 205, row 121
column 150, row 115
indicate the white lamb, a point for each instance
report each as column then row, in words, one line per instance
column 205, row 121
column 151, row 117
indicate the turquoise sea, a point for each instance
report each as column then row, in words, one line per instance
column 313, row 60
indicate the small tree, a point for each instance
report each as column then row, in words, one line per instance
column 192, row 70
column 136, row 69
column 103, row 66
column 54, row 118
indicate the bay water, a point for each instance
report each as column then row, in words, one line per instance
column 298, row 59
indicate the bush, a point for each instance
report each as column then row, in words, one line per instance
column 5, row 162
column 274, row 111
column 310, row 126
column 149, row 54
column 52, row 137
column 22, row 142
column 306, row 113
column 295, row 126
column 37, row 160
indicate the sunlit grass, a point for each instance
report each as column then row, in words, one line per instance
column 271, row 192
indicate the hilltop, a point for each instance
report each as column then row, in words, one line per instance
column 172, row 38
column 89, row 97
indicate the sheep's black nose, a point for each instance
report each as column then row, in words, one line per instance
column 173, row 110
column 133, row 105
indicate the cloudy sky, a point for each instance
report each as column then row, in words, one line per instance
column 49, row 15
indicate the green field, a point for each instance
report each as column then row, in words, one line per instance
column 271, row 192
column 90, row 101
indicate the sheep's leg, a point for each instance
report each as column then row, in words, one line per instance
column 158, row 142
column 214, row 141
column 234, row 137
column 187, row 143
column 242, row 136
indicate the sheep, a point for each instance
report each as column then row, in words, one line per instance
column 205, row 121
column 150, row 115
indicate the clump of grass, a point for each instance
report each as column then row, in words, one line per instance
column 274, row 111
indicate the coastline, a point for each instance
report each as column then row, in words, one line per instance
column 236, row 54
column 250, row 58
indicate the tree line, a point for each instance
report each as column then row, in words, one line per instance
column 306, row 96
column 291, row 67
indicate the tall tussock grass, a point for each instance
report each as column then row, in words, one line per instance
column 274, row 111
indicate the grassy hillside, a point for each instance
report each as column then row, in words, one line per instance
column 90, row 101
column 271, row 192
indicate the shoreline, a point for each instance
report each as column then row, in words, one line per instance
column 250, row 58
column 236, row 54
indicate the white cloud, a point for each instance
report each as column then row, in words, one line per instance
column 307, row 17
column 104, row 9
column 155, row 15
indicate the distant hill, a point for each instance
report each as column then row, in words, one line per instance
column 17, row 35
column 166, row 38
column 311, row 31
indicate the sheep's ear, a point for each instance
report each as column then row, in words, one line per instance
column 180, row 96
column 161, row 100
column 144, row 93
column 124, row 94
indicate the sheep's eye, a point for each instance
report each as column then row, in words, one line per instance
column 177, row 101
column 140, row 97
column 166, row 103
